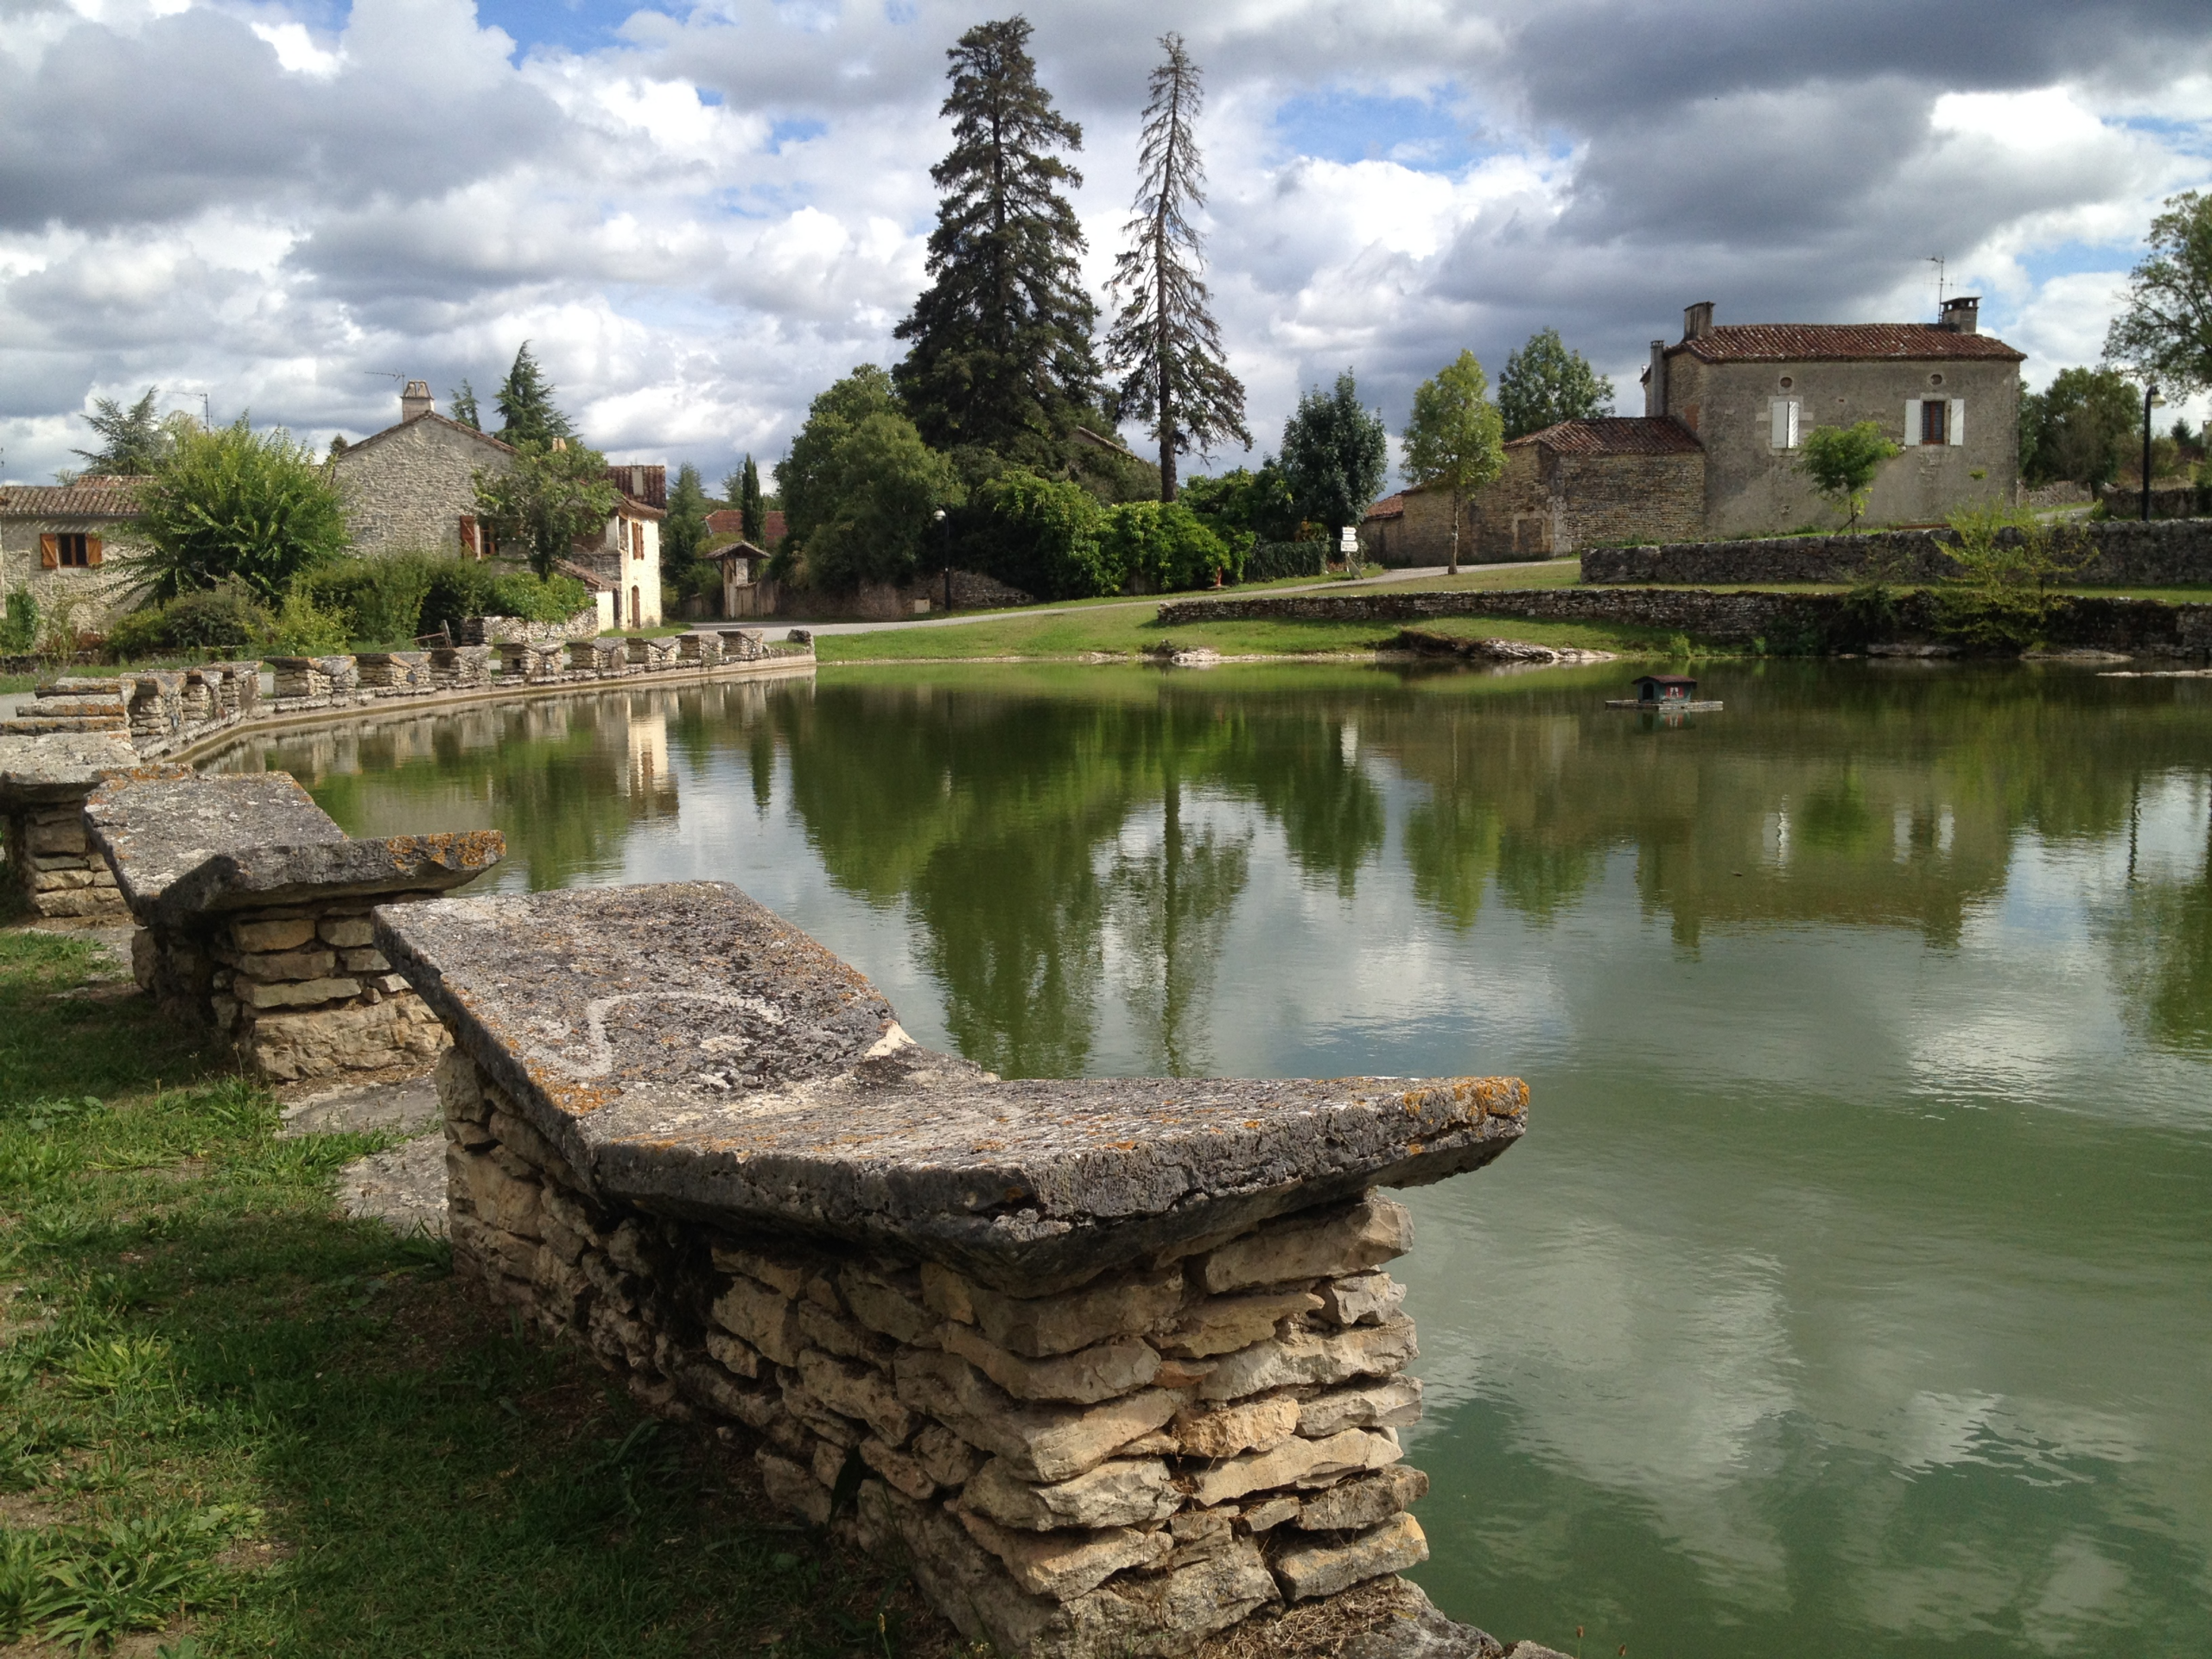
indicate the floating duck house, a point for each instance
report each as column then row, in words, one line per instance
column 1665, row 688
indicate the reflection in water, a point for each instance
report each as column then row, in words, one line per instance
column 1849, row 1296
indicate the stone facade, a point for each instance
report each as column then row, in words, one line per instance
column 1114, row 1363
column 1752, row 393
column 412, row 487
column 1586, row 483
column 45, row 528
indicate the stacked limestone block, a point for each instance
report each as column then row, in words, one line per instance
column 743, row 645
column 253, row 907
column 74, row 704
column 531, row 662
column 651, row 654
column 1114, row 1363
column 698, row 648
column 314, row 682
column 603, row 658
column 461, row 668
column 394, row 672
column 58, row 873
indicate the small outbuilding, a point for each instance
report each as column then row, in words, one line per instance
column 1665, row 688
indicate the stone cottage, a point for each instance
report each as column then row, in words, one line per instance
column 1751, row 392
column 412, row 488
column 69, row 545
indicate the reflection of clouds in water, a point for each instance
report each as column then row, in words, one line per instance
column 1644, row 1369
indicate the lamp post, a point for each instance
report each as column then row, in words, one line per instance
column 945, row 551
column 2150, row 396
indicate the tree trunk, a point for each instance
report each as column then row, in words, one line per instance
column 1453, row 570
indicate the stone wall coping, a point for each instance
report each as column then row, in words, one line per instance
column 688, row 1051
column 59, row 766
column 183, row 842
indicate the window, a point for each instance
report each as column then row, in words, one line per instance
column 68, row 551
column 1932, row 411
column 1934, row 420
column 1783, row 413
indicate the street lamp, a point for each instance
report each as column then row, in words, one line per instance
column 2150, row 396
column 944, row 547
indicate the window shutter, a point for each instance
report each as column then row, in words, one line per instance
column 1911, row 422
column 1794, row 407
column 1954, row 429
column 50, row 552
column 1778, row 422
column 92, row 551
column 469, row 534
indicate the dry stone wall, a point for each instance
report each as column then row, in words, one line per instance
column 45, row 777
column 2159, row 554
column 1116, row 1364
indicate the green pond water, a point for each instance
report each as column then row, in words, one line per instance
column 1850, row 1292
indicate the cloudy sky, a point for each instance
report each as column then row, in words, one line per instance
column 699, row 217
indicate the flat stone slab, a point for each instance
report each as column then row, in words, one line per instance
column 183, row 842
column 407, row 1107
column 404, row 1187
column 688, row 1051
column 61, row 766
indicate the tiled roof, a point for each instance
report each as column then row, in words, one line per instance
column 1616, row 435
column 88, row 497
column 728, row 521
column 446, row 421
column 586, row 575
column 1802, row 342
column 1390, row 506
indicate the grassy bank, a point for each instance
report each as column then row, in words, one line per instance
column 231, row 1423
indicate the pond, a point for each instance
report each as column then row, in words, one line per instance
column 1851, row 1292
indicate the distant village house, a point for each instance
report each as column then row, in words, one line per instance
column 1715, row 454
column 69, row 546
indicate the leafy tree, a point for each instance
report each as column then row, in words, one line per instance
column 1454, row 442
column 683, row 532
column 1165, row 343
column 552, row 496
column 525, row 405
column 1001, row 339
column 1040, row 534
column 1334, row 456
column 1256, row 502
column 876, row 501
column 1841, row 462
column 751, row 511
column 1545, row 384
column 463, row 404
column 2081, row 427
column 805, row 472
column 1161, row 546
column 2011, row 565
column 2166, row 331
column 134, row 441
column 236, row 502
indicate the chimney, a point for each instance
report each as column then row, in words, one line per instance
column 1697, row 320
column 1655, row 380
column 1962, row 314
column 416, row 402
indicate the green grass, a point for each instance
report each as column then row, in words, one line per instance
column 234, row 1421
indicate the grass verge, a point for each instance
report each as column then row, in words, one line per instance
column 231, row 1423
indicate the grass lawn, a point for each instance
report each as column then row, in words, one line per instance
column 231, row 1423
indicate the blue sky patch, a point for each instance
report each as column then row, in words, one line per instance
column 579, row 25
column 1340, row 126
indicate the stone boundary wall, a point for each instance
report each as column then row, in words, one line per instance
column 1785, row 621
column 2164, row 553
column 1114, row 1363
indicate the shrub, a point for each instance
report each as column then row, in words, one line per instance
column 1272, row 561
column 1162, row 548
column 381, row 598
column 19, row 628
column 2009, row 561
column 228, row 617
column 1040, row 535
column 304, row 628
column 462, row 587
column 234, row 504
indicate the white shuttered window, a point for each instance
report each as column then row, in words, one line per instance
column 1911, row 422
column 1781, row 416
column 1954, row 431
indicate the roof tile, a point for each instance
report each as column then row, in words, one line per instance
column 1616, row 435
column 89, row 498
column 1780, row 342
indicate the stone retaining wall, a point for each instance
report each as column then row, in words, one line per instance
column 1113, row 1362
column 44, row 777
column 2162, row 553
column 1784, row 621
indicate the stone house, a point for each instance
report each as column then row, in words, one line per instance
column 1750, row 392
column 69, row 546
column 412, row 488
column 1586, row 483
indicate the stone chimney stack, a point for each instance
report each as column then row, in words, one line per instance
column 416, row 402
column 1962, row 314
column 1655, row 380
column 1697, row 320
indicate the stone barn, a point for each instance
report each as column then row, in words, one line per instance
column 1585, row 483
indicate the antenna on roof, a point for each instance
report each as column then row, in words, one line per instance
column 1937, row 260
column 206, row 407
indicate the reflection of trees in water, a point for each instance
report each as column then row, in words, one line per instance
column 1172, row 906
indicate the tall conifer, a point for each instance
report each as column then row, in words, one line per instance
column 1001, row 355
column 525, row 405
column 751, row 511
column 1165, row 343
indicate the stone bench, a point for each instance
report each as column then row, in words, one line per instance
column 743, row 645
column 394, row 670
column 1112, row 1362
column 44, row 781
column 531, row 662
column 700, row 647
column 253, row 909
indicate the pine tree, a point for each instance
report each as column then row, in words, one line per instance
column 751, row 511
column 135, row 440
column 463, row 404
column 1001, row 355
column 525, row 405
column 683, row 532
column 1165, row 342
column 1544, row 383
